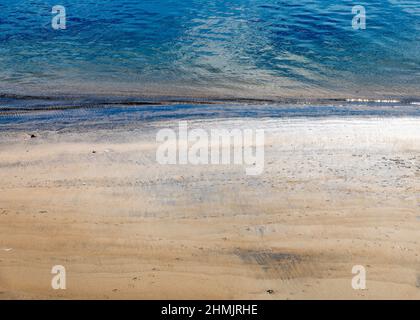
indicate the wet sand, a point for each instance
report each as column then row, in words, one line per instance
column 334, row 193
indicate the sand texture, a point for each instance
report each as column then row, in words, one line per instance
column 334, row 193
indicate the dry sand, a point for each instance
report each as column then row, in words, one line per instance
column 334, row 193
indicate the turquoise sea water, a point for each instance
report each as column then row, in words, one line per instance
column 225, row 49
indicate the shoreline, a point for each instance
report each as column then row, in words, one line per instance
column 40, row 117
column 133, row 99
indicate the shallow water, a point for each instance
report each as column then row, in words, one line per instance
column 229, row 48
column 104, row 116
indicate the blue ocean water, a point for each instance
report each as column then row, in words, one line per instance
column 219, row 48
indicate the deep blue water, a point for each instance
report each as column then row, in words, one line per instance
column 220, row 48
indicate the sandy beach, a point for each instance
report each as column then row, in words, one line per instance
column 334, row 193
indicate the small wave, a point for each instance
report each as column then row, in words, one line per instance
column 374, row 100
